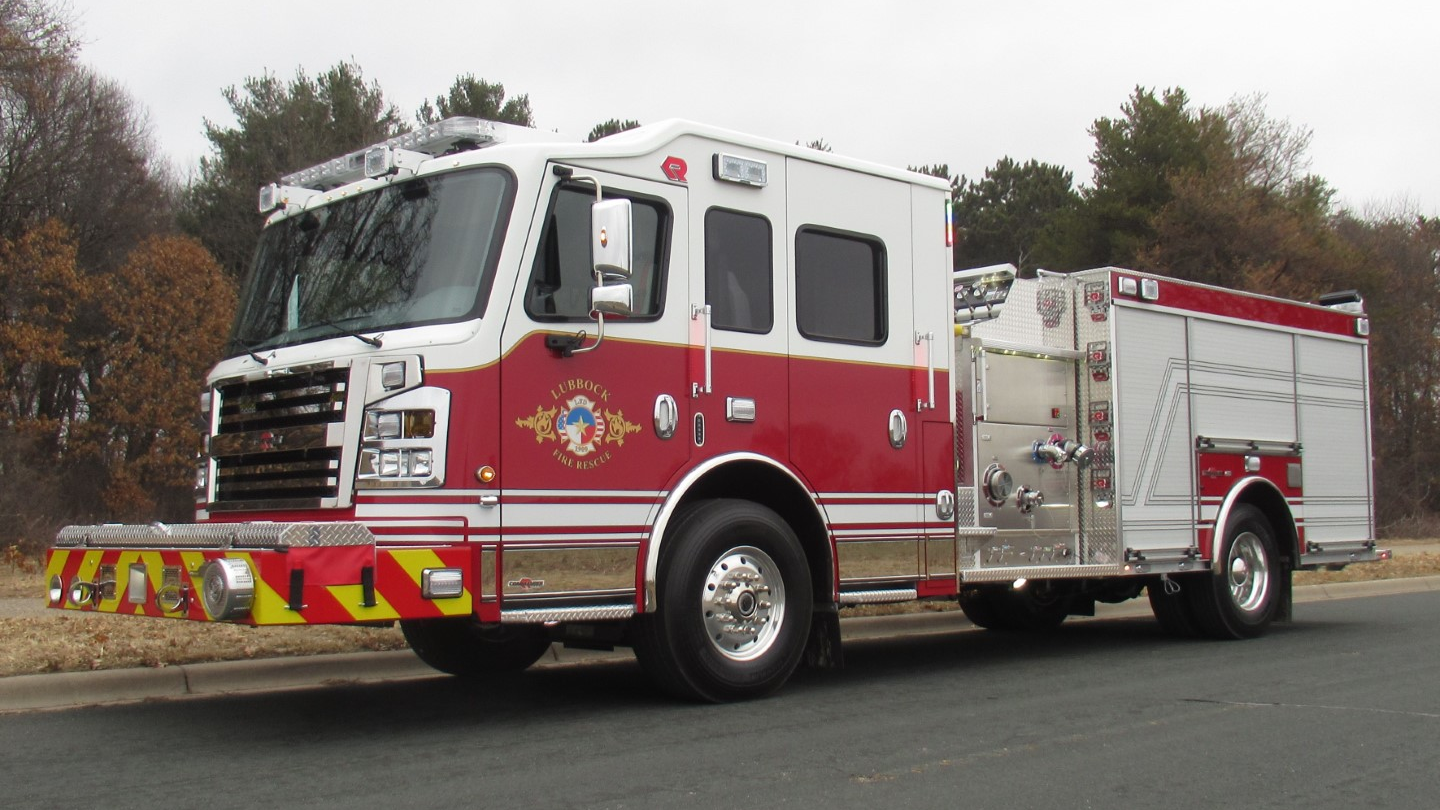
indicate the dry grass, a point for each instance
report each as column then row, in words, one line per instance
column 55, row 641
column 69, row 642
column 20, row 577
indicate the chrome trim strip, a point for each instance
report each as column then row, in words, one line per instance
column 596, row 613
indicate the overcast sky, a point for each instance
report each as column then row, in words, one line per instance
column 898, row 82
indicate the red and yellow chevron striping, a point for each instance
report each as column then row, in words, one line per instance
column 328, row 585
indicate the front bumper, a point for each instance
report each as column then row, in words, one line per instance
column 292, row 573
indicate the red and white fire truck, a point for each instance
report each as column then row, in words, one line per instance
column 696, row 392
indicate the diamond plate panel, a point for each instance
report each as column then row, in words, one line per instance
column 216, row 535
column 1039, row 314
column 1099, row 507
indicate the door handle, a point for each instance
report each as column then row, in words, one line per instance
column 898, row 428
column 667, row 416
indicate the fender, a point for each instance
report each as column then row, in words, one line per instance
column 661, row 519
column 1222, row 518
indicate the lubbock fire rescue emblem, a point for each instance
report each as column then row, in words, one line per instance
column 580, row 424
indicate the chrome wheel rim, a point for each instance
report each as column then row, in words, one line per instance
column 743, row 603
column 1249, row 572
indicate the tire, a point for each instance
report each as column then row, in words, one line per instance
column 469, row 649
column 1034, row 609
column 734, row 604
column 1172, row 609
column 1242, row 595
column 982, row 606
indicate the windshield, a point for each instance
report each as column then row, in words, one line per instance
column 421, row 251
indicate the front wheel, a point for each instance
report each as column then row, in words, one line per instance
column 1242, row 596
column 734, row 604
column 465, row 647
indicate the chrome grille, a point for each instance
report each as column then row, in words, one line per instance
column 278, row 442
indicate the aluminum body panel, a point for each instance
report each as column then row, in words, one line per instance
column 1023, row 390
column 1242, row 381
column 1011, row 446
column 1334, row 419
column 1154, row 437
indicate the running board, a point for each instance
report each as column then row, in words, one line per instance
column 560, row 615
column 878, row 597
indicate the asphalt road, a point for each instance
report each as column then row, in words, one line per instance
column 1340, row 709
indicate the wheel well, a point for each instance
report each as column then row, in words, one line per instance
column 1277, row 513
column 763, row 484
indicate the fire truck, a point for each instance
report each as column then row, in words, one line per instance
column 696, row 393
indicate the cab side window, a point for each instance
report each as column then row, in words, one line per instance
column 840, row 286
column 563, row 275
column 738, row 268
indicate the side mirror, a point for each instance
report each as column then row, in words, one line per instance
column 610, row 230
column 615, row 299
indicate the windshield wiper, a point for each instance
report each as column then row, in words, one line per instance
column 249, row 349
column 348, row 332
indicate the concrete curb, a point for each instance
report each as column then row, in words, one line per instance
column 66, row 689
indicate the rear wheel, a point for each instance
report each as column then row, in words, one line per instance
column 1242, row 596
column 1171, row 605
column 465, row 647
column 734, row 604
column 1035, row 608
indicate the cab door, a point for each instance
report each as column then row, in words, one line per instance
column 855, row 431
column 739, row 283
column 590, row 429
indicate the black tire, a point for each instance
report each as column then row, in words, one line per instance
column 1172, row 609
column 983, row 607
column 469, row 649
column 1242, row 595
column 734, row 604
column 1036, row 608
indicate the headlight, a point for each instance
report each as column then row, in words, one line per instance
column 403, row 463
column 382, row 425
column 404, row 441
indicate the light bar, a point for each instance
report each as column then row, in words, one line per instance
column 277, row 196
column 433, row 139
column 441, row 136
column 740, row 170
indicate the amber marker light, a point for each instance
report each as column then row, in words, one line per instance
column 485, row 474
